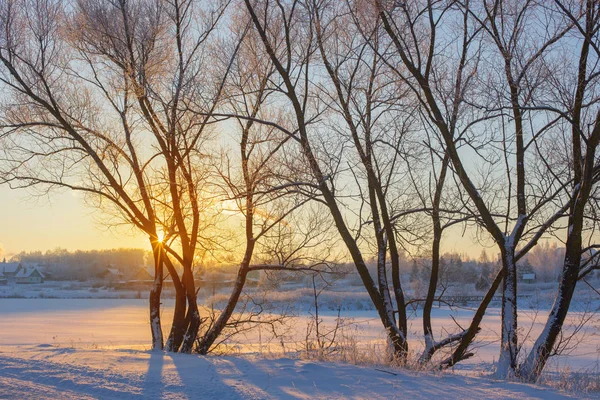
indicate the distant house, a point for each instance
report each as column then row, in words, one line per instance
column 3, row 280
column 48, row 275
column 111, row 275
column 29, row 275
column 143, row 275
column 528, row 278
column 10, row 270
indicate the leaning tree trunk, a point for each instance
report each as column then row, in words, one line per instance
column 385, row 309
column 209, row 338
column 155, row 293
column 213, row 333
column 461, row 351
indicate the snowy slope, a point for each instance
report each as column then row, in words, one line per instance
column 49, row 372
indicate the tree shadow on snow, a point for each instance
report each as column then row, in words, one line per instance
column 214, row 377
column 152, row 385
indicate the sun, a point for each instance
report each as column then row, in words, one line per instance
column 160, row 236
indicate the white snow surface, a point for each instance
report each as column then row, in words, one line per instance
column 99, row 348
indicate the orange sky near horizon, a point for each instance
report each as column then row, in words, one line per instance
column 58, row 220
column 63, row 220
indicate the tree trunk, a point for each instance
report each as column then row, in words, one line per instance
column 384, row 309
column 433, row 282
column 155, row 293
column 209, row 338
column 193, row 315
column 460, row 353
column 507, row 361
column 430, row 348
column 180, row 322
column 533, row 366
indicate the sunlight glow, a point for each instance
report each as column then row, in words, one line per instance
column 160, row 235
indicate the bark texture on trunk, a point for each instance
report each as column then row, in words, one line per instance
column 533, row 366
column 180, row 323
column 155, row 294
column 507, row 361
column 193, row 315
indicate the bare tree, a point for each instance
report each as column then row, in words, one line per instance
column 294, row 60
column 253, row 182
column 101, row 100
column 44, row 139
column 366, row 109
column 424, row 69
column 336, row 106
column 580, row 111
column 376, row 110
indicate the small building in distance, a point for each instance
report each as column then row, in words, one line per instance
column 111, row 275
column 10, row 270
column 3, row 280
column 46, row 272
column 29, row 274
column 143, row 275
column 528, row 278
column 142, row 279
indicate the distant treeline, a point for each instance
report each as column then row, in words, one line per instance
column 544, row 260
column 83, row 265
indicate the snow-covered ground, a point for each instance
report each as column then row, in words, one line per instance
column 73, row 348
column 43, row 372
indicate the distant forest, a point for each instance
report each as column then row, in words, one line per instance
column 544, row 261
